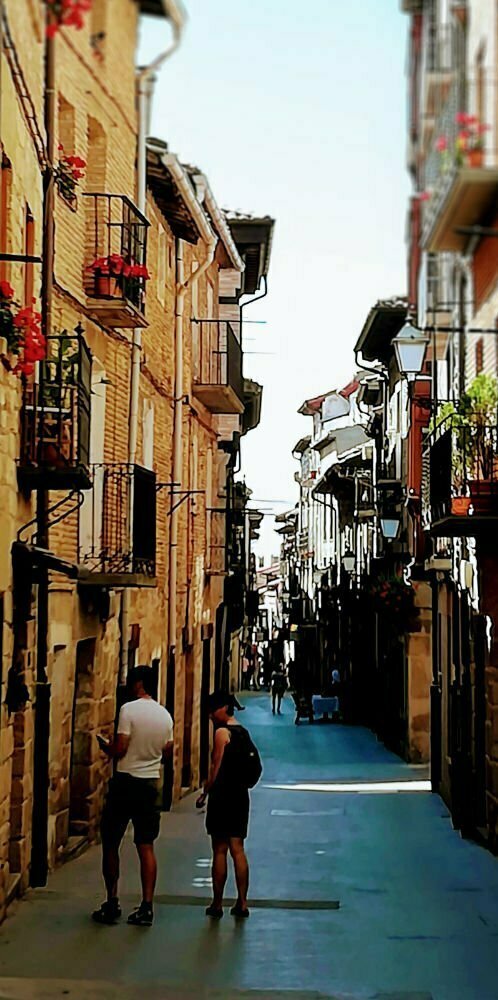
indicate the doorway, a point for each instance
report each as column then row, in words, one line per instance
column 187, row 720
column 84, row 727
column 204, row 726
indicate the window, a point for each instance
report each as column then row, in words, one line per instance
column 195, row 293
column 66, row 125
column 148, row 434
column 96, row 157
column 98, row 26
column 479, row 356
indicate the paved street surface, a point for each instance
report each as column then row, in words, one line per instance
column 354, row 894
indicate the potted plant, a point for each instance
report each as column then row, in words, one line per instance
column 113, row 272
column 479, row 408
column 8, row 331
column 469, row 142
column 450, row 420
column 393, row 599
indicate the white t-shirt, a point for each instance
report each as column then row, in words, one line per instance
column 149, row 727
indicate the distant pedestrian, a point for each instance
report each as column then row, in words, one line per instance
column 235, row 768
column 278, row 688
column 144, row 738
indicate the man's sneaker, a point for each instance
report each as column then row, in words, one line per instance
column 143, row 916
column 108, row 913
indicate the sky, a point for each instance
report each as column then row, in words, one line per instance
column 297, row 110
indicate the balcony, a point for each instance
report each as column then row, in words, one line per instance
column 216, row 542
column 115, row 261
column 460, row 479
column 217, row 366
column 55, row 419
column 112, row 551
column 461, row 172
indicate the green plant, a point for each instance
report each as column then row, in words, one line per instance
column 392, row 597
column 478, row 410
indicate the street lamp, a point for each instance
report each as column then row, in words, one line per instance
column 389, row 525
column 409, row 347
column 349, row 561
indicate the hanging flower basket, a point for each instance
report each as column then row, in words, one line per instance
column 68, row 173
column 21, row 328
column 393, row 600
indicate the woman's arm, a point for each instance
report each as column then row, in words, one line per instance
column 221, row 738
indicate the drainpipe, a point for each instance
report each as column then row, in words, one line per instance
column 146, row 77
column 39, row 849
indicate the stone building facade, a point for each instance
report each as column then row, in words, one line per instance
column 95, row 514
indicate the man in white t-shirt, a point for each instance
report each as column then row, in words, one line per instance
column 144, row 738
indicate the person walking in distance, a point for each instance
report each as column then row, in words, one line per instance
column 143, row 740
column 278, row 688
column 235, row 767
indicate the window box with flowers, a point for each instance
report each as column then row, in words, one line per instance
column 116, row 276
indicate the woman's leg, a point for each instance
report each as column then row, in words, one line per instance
column 219, row 871
column 241, row 867
column 279, row 703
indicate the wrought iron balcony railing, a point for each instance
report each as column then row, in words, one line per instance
column 117, row 550
column 55, row 418
column 461, row 171
column 115, row 260
column 460, row 478
column 217, row 366
column 216, row 542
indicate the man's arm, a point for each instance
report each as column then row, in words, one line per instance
column 167, row 751
column 117, row 748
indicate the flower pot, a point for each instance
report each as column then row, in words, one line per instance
column 107, row 287
column 460, row 506
column 475, row 158
column 484, row 496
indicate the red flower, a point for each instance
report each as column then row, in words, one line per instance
column 6, row 290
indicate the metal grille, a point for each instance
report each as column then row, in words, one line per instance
column 109, row 545
column 115, row 229
column 217, row 355
column 55, row 418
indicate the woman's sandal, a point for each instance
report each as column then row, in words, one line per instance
column 214, row 912
column 237, row 911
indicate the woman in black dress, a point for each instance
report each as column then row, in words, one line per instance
column 228, row 806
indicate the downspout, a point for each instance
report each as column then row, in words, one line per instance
column 146, row 76
column 39, row 847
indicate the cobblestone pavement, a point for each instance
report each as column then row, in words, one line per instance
column 359, row 886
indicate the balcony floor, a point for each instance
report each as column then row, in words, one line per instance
column 219, row 398
column 469, row 191
column 463, row 526
column 34, row 477
column 115, row 581
column 115, row 313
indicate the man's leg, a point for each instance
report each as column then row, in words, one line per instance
column 279, row 706
column 148, row 871
column 219, row 871
column 241, row 866
column 110, row 869
column 273, row 700
column 113, row 829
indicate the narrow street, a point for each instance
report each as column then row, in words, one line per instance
column 353, row 895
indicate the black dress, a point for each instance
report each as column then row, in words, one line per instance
column 228, row 803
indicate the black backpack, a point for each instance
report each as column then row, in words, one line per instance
column 249, row 766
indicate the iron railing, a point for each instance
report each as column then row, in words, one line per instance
column 460, row 471
column 55, row 418
column 217, row 356
column 216, row 542
column 116, row 249
column 109, row 544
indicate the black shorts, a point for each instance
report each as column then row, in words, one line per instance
column 134, row 799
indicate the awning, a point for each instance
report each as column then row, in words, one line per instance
column 342, row 440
